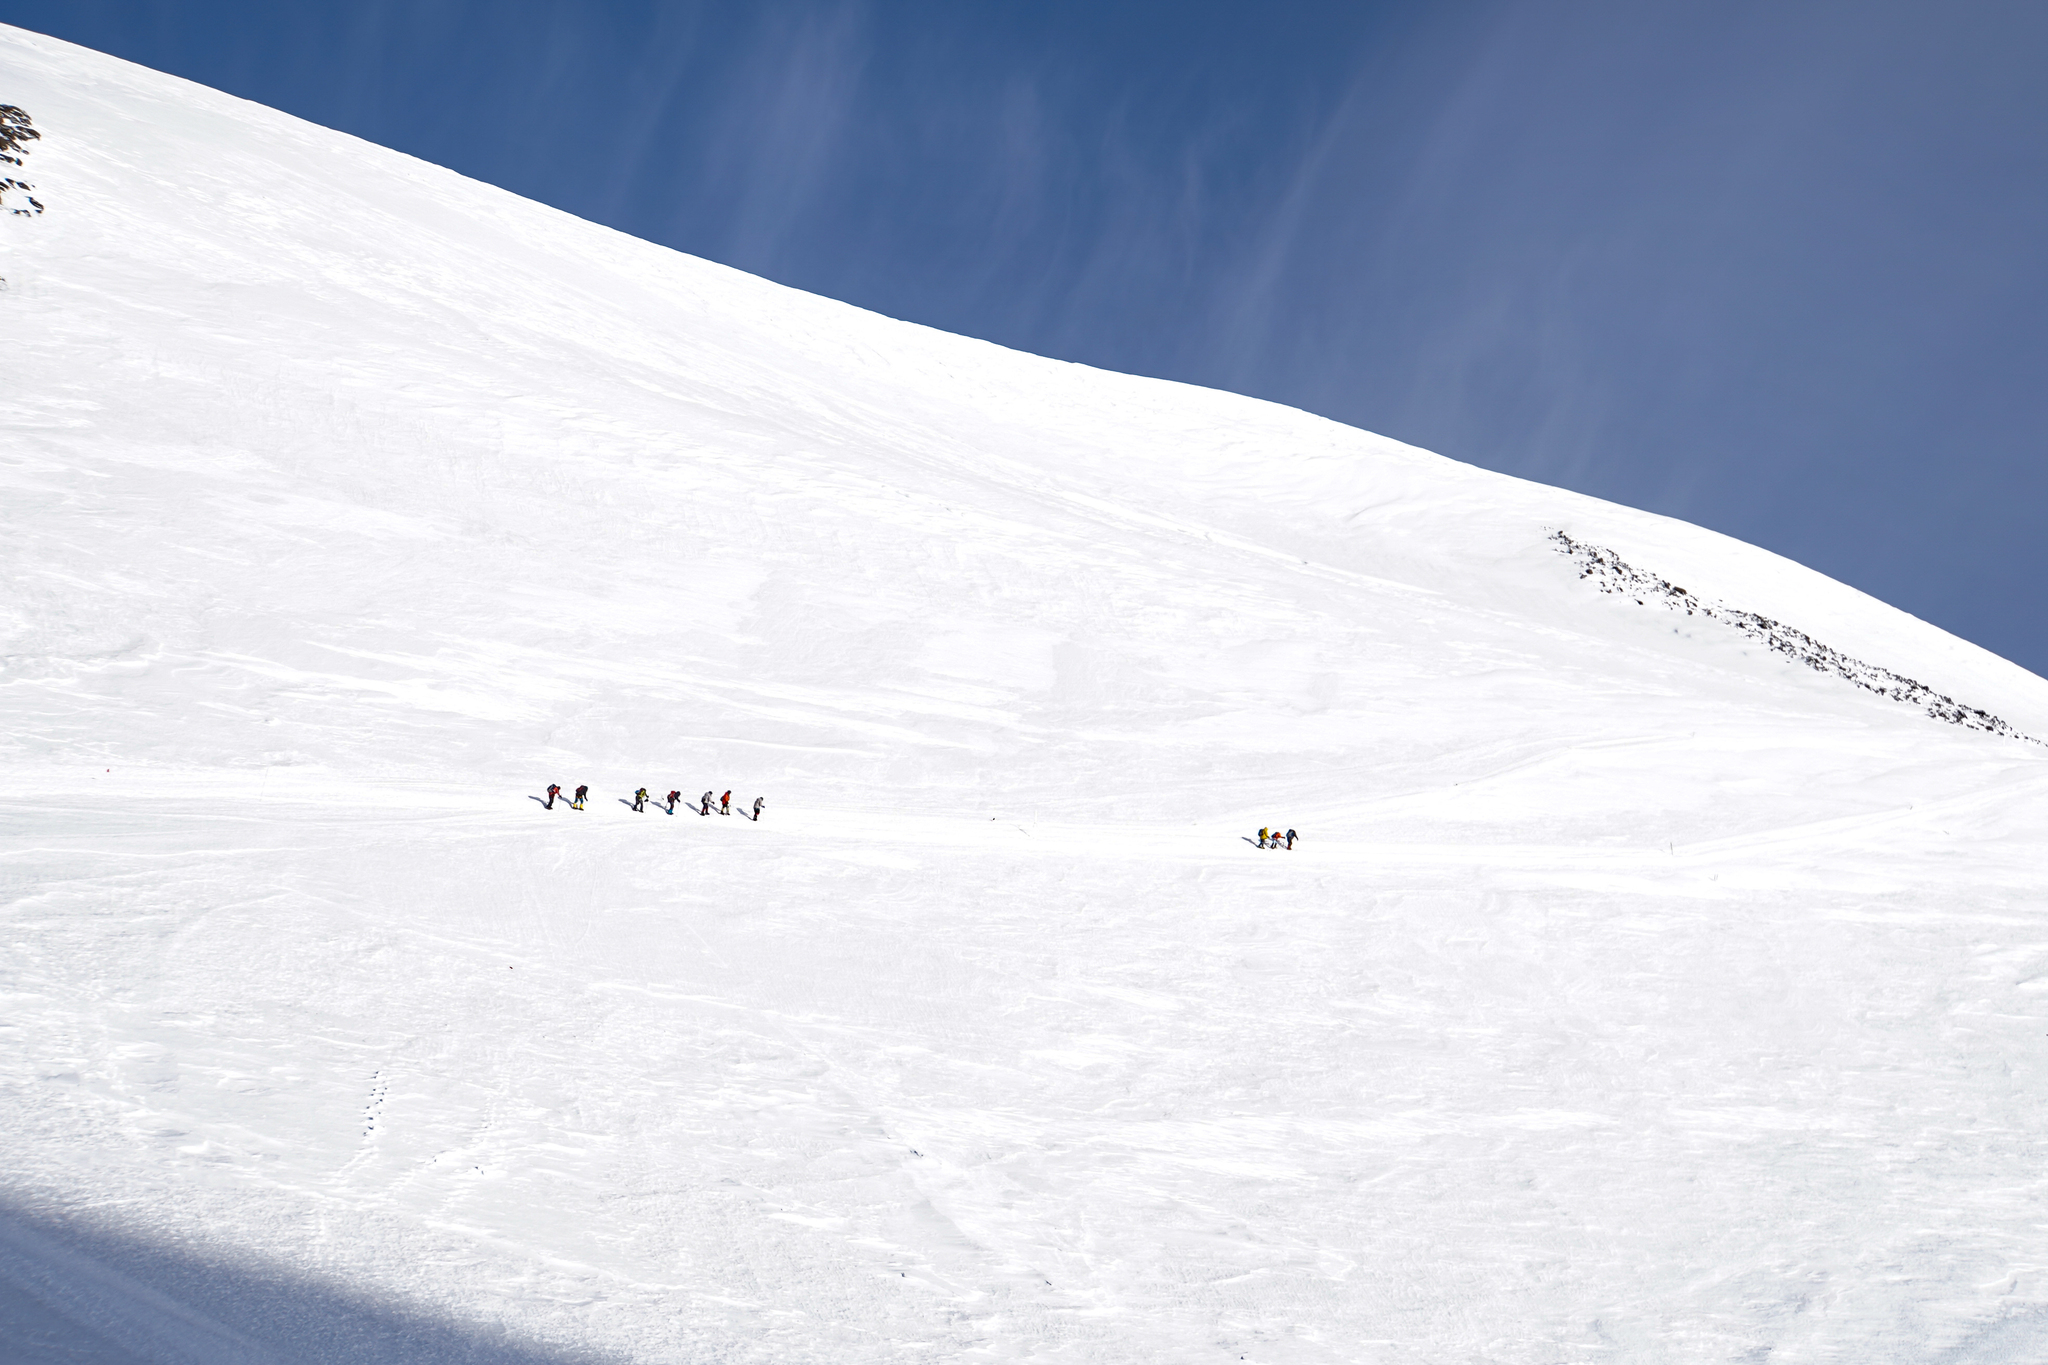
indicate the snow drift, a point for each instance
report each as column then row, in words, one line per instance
column 1636, row 992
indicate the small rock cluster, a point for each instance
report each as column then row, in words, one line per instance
column 1612, row 574
column 17, row 130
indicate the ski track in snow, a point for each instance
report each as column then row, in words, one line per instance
column 1635, row 993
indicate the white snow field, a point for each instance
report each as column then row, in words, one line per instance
column 1634, row 993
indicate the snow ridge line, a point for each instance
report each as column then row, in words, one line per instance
column 1612, row 574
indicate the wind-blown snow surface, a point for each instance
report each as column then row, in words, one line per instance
column 1633, row 995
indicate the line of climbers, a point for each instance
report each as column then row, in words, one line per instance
column 1268, row 838
column 641, row 798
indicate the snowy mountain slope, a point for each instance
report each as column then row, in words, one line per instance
column 1635, row 993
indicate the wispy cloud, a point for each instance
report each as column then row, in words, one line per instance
column 788, row 105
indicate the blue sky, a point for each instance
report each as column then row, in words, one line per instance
column 1777, row 268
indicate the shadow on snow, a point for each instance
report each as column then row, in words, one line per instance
column 76, row 1290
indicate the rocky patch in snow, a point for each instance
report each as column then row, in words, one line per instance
column 17, row 130
column 1610, row 573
